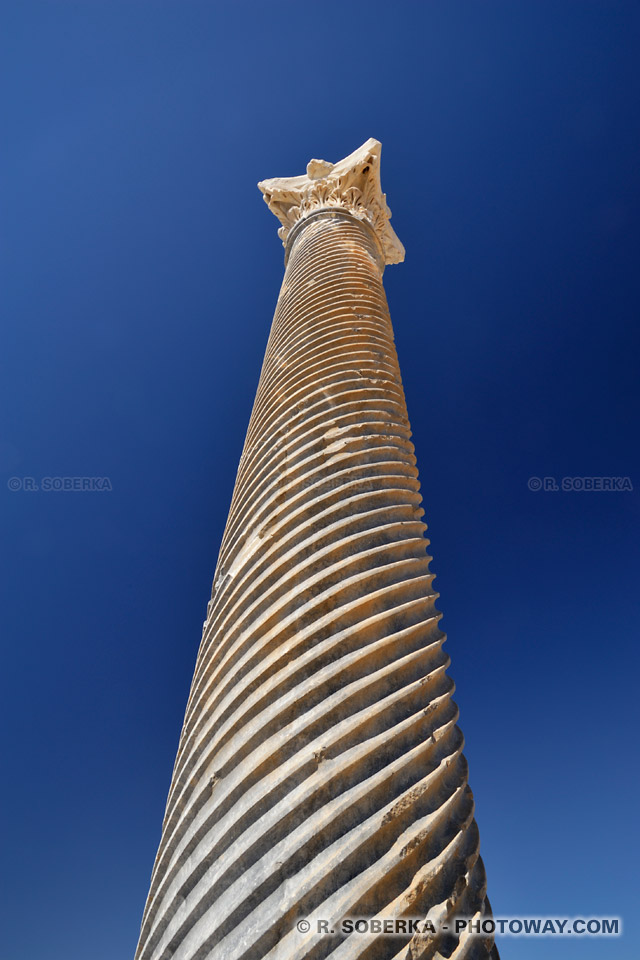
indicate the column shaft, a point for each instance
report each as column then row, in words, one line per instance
column 319, row 772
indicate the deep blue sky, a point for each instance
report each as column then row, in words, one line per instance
column 140, row 270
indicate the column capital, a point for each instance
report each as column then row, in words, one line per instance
column 352, row 184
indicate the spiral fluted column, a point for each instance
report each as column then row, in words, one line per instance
column 320, row 771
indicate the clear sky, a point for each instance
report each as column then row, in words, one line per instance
column 140, row 270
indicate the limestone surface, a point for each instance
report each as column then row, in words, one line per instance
column 352, row 184
column 320, row 772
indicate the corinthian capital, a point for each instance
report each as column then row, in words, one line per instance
column 352, row 184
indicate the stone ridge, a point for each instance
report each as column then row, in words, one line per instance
column 320, row 771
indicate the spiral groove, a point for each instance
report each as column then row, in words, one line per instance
column 319, row 772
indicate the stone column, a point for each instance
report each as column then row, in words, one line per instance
column 320, row 772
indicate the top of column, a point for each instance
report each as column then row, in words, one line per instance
column 352, row 185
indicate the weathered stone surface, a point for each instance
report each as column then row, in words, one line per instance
column 352, row 184
column 319, row 772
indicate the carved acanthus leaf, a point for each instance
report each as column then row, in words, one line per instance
column 352, row 184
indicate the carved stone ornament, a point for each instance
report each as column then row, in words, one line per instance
column 352, row 184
